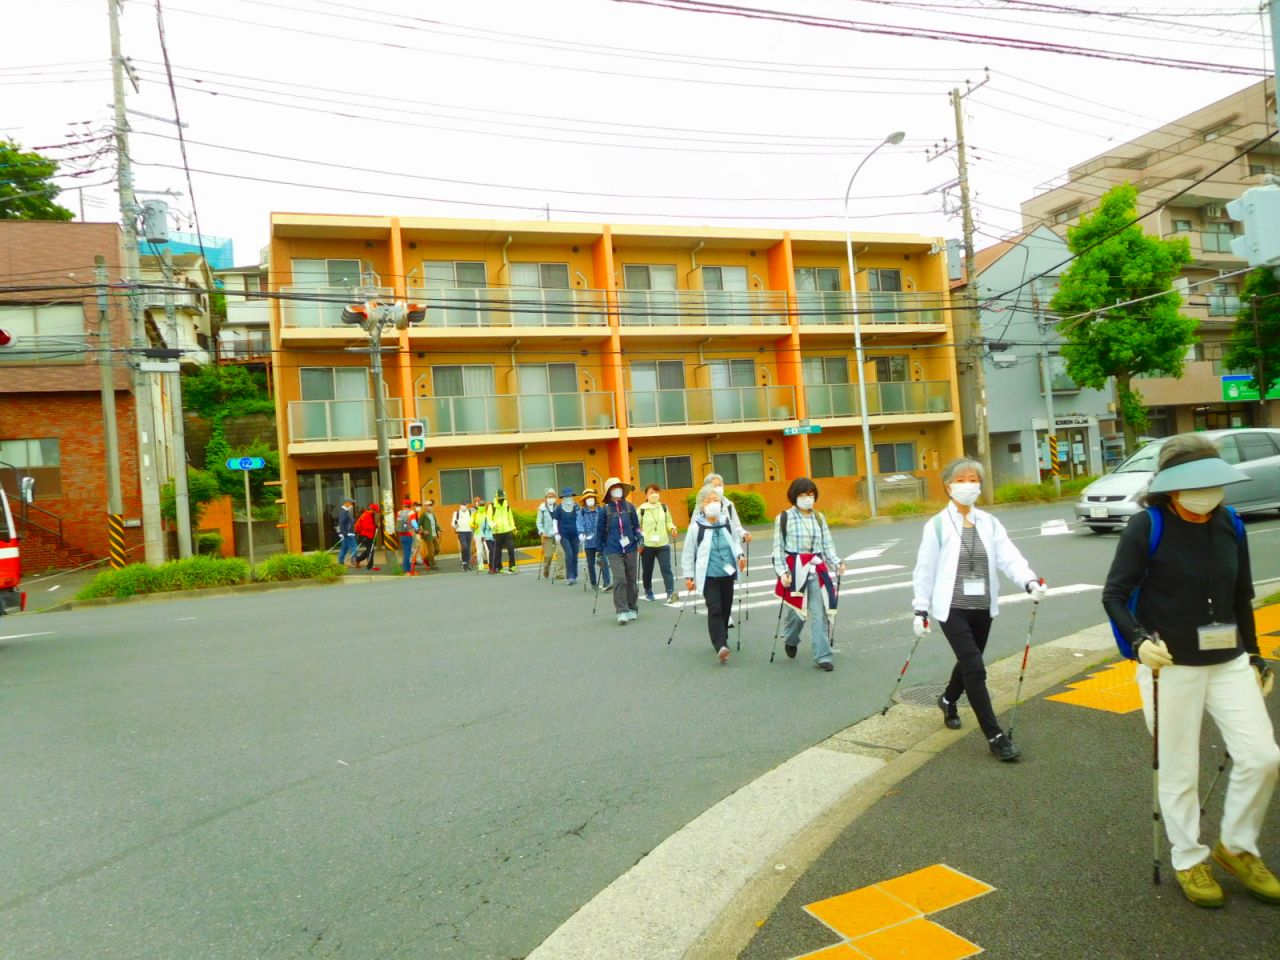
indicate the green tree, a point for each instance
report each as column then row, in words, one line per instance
column 26, row 191
column 215, row 388
column 202, row 489
column 1115, row 264
column 1255, row 339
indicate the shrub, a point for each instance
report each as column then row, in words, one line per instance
column 847, row 514
column 192, row 573
column 1031, row 492
column 526, row 528
column 298, row 566
column 910, row 508
column 209, row 542
column 202, row 488
column 750, row 506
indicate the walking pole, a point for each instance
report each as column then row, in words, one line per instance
column 679, row 615
column 831, row 620
column 777, row 631
column 1026, row 652
column 741, row 595
column 747, row 616
column 596, row 601
column 1226, row 755
column 1155, row 777
column 901, row 673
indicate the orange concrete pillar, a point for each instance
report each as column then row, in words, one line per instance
column 782, row 276
column 404, row 359
column 611, row 361
column 279, row 370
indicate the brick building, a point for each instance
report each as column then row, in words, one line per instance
column 51, row 424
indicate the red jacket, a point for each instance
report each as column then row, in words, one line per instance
column 366, row 525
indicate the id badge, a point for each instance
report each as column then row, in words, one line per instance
column 974, row 587
column 626, row 542
column 730, row 569
column 1217, row 636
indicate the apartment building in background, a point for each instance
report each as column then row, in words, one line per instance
column 1162, row 164
column 559, row 354
column 245, row 334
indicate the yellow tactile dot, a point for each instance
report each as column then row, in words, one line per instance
column 916, row 940
column 1113, row 689
column 841, row 951
column 934, row 888
column 861, row 911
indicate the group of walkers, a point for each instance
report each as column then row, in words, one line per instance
column 416, row 528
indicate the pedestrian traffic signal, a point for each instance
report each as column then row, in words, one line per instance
column 1259, row 210
column 417, row 436
column 356, row 313
column 417, row 312
column 7, row 338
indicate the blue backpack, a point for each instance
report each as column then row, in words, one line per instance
column 1153, row 543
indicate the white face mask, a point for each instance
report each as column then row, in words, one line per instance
column 591, row 501
column 1200, row 501
column 711, row 509
column 551, row 501
column 654, row 497
column 965, row 494
column 804, row 503
column 616, row 493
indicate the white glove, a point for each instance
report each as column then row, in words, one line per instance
column 920, row 624
column 1153, row 653
column 557, row 538
column 1037, row 589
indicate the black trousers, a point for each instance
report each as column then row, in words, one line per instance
column 718, row 592
column 663, row 556
column 967, row 632
column 503, row 541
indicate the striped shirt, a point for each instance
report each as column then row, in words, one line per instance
column 973, row 565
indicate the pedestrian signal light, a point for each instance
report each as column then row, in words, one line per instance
column 7, row 338
column 417, row 436
column 356, row 313
column 1259, row 210
column 417, row 312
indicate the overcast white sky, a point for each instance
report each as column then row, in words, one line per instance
column 619, row 102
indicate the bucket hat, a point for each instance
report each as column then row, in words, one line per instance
column 615, row 482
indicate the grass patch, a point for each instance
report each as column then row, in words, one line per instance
column 298, row 566
column 203, row 572
column 846, row 515
column 910, row 508
column 1035, row 492
column 1274, row 598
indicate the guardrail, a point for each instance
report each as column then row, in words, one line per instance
column 883, row 399
column 517, row 413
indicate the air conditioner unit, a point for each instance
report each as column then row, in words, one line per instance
column 1213, row 211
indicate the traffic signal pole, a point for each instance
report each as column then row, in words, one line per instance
column 377, row 319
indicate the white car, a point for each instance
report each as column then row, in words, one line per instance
column 1109, row 502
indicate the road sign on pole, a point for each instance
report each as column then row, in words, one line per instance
column 803, row 428
column 246, row 463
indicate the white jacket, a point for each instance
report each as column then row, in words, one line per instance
column 938, row 560
column 695, row 556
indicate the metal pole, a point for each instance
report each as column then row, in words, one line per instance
column 110, row 434
column 1051, row 428
column 152, row 530
column 1264, row 385
column 380, row 420
column 248, row 516
column 181, row 497
column 1275, row 51
column 980, row 426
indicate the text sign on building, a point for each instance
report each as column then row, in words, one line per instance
column 796, row 431
column 246, row 463
column 1237, row 388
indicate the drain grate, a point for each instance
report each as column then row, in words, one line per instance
column 925, row 695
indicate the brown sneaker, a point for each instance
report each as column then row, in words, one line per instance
column 1200, row 887
column 1251, row 871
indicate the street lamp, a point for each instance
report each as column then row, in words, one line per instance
column 894, row 138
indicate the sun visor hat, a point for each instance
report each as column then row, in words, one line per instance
column 1196, row 475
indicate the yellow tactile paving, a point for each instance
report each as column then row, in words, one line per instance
column 934, row 888
column 1113, row 689
column 1268, row 621
column 860, row 912
column 916, row 940
column 841, row 951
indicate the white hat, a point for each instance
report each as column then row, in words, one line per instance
column 615, row 482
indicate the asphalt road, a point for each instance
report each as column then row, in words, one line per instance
column 445, row 766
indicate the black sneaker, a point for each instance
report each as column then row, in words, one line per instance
column 826, row 665
column 1003, row 748
column 791, row 651
column 950, row 716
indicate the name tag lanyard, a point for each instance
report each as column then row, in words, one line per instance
column 972, row 581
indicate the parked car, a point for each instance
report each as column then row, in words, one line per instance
column 1109, row 502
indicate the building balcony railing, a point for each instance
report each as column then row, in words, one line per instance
column 836, row 307
column 306, row 305
column 328, row 420
column 254, row 343
column 702, row 308
column 653, row 408
column 828, row 400
column 511, row 307
column 531, row 413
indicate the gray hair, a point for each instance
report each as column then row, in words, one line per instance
column 711, row 476
column 1184, row 448
column 962, row 463
column 707, row 491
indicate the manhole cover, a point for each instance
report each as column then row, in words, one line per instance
column 925, row 695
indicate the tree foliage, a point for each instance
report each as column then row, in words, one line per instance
column 26, row 190
column 214, row 389
column 202, row 489
column 1116, row 262
column 1253, row 348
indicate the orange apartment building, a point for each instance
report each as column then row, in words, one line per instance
column 559, row 354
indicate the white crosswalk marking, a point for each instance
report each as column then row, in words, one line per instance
column 1054, row 528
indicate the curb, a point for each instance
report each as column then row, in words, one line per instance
column 261, row 586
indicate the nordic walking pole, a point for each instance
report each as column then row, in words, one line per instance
column 831, row 620
column 596, row 601
column 901, row 673
column 679, row 616
column 741, row 595
column 1026, row 652
column 777, row 631
column 1226, row 755
column 745, row 578
column 1155, row 777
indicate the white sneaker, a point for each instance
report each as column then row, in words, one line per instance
column 623, row 619
column 632, row 615
column 731, row 623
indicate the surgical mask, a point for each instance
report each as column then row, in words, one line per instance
column 616, row 493
column 1200, row 501
column 804, row 503
column 567, row 503
column 654, row 497
column 711, row 509
column 591, row 501
column 965, row 494
column 551, row 501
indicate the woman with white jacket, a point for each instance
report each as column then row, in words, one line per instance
column 711, row 561
column 955, row 583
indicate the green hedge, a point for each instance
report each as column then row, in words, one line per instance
column 202, row 572
column 750, row 506
column 1031, row 492
column 526, row 528
column 298, row 566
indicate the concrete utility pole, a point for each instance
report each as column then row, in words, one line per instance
column 1051, row 421
column 181, row 498
column 1264, row 385
column 152, row 530
column 977, row 347
column 111, row 440
column 378, row 317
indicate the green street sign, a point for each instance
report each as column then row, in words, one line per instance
column 1238, row 388
column 796, row 431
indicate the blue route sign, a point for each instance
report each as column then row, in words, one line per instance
column 246, row 463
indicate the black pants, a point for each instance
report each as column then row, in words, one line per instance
column 464, row 548
column 967, row 632
column 663, row 556
column 503, row 541
column 718, row 592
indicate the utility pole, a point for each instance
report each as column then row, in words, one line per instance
column 1051, row 422
column 385, row 495
column 152, row 530
column 181, row 498
column 111, row 439
column 1264, row 385
column 977, row 346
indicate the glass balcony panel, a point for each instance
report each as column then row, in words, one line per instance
column 650, row 408
column 509, row 413
column 327, row 420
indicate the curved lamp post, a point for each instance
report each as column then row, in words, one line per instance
column 894, row 138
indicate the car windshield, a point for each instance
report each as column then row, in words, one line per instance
column 1144, row 461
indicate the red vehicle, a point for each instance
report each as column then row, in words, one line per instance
column 12, row 599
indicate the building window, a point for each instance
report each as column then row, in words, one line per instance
column 1224, row 301
column 657, row 375
column 458, row 486
column 724, row 278
column 666, row 472
column 39, row 459
column 832, row 462
column 1066, row 214
column 462, row 380
column 1181, row 226
column 540, row 476
column 334, row 383
column 442, row 274
column 44, row 333
column 1062, row 382
column 895, row 457
column 892, row 369
column 545, row 276
column 326, row 273
column 1214, row 132
column 739, row 467
column 884, row 281
column 822, row 370
column 642, row 276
